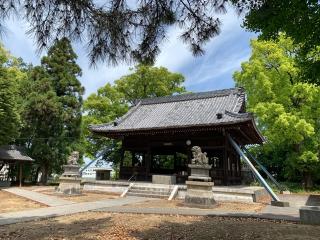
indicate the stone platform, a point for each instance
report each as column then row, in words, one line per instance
column 236, row 193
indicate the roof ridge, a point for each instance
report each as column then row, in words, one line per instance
column 190, row 96
column 237, row 114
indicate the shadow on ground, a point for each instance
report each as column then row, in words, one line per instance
column 100, row 225
column 229, row 228
column 53, row 229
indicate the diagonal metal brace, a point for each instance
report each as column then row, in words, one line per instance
column 253, row 169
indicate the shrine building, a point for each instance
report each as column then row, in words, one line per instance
column 157, row 134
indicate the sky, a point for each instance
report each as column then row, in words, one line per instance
column 214, row 70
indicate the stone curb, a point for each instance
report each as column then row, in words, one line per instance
column 199, row 212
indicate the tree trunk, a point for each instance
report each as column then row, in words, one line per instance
column 44, row 176
column 307, row 181
column 35, row 180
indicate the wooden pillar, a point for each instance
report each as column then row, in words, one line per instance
column 121, row 162
column 148, row 163
column 20, row 174
column 225, row 161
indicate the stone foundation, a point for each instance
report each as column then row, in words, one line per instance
column 199, row 194
column 310, row 215
column 70, row 180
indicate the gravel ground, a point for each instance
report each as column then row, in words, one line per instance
column 111, row 226
column 86, row 196
column 227, row 206
column 12, row 203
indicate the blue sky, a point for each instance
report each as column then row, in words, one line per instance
column 213, row 70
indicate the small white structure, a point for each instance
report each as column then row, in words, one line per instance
column 89, row 171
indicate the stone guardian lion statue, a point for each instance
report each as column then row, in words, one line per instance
column 199, row 157
column 73, row 158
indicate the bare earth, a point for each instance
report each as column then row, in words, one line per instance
column 221, row 206
column 111, row 226
column 86, row 196
column 12, row 203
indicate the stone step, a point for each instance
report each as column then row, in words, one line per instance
column 149, row 192
column 148, row 195
column 151, row 188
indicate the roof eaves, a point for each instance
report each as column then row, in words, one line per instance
column 237, row 121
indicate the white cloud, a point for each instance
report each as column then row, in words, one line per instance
column 174, row 53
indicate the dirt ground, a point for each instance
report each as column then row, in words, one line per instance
column 86, row 196
column 12, row 203
column 112, row 226
column 228, row 206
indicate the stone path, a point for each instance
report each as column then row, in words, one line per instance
column 270, row 212
column 50, row 201
column 42, row 213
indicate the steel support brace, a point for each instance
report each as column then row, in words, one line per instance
column 253, row 169
column 279, row 186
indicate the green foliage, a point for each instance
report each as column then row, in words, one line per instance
column 113, row 101
column 10, row 77
column 147, row 81
column 286, row 107
column 101, row 107
column 299, row 19
column 52, row 108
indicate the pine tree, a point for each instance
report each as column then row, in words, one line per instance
column 61, row 66
column 43, row 126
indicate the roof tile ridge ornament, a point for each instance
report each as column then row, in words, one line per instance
column 238, row 115
column 241, row 99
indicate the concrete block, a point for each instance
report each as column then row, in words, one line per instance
column 285, row 192
column 164, row 179
column 310, row 215
column 279, row 204
column 5, row 183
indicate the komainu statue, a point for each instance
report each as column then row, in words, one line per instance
column 199, row 157
column 73, row 158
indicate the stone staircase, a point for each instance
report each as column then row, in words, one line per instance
column 150, row 190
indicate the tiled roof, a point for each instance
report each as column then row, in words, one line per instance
column 221, row 107
column 13, row 153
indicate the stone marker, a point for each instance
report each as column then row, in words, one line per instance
column 199, row 186
column 310, row 215
column 70, row 180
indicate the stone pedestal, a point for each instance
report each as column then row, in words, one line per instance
column 70, row 180
column 200, row 172
column 199, row 194
column 199, row 187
